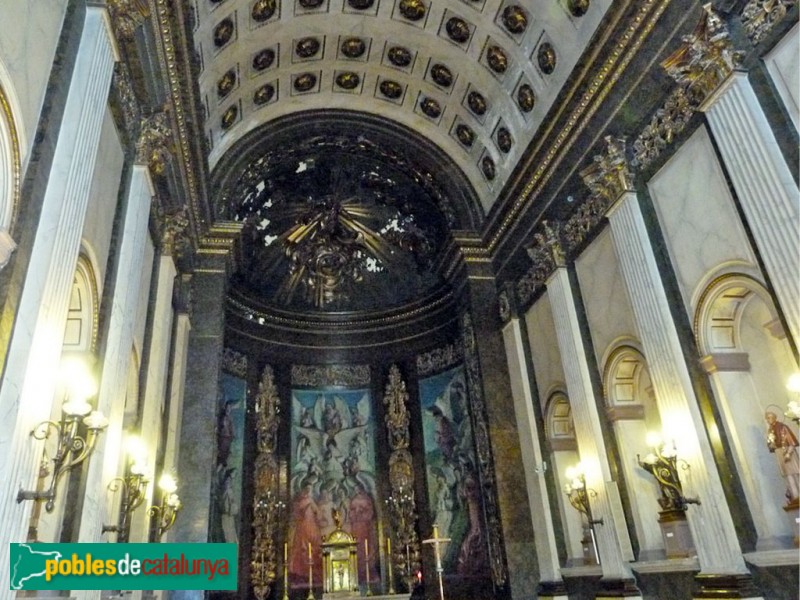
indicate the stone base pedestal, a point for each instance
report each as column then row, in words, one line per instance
column 725, row 587
column 792, row 511
column 618, row 588
column 676, row 534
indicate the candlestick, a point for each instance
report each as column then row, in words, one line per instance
column 310, row 574
column 389, row 556
column 285, row 571
column 366, row 564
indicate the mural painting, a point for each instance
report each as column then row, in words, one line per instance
column 454, row 494
column 230, row 448
column 333, row 469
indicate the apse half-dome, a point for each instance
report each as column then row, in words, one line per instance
column 342, row 214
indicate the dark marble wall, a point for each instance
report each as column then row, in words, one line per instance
column 198, row 427
column 512, row 498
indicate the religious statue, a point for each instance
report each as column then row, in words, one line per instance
column 782, row 442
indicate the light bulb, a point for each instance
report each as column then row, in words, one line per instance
column 167, row 483
column 96, row 420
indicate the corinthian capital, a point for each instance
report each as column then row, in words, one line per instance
column 705, row 59
column 126, row 16
column 155, row 143
column 610, row 175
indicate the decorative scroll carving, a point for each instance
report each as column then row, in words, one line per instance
column 126, row 16
column 610, row 175
column 533, row 280
column 667, row 121
column 324, row 375
column 128, row 103
column 234, row 362
column 174, row 235
column 584, row 220
column 483, row 449
column 401, row 502
column 267, row 508
column 439, row 359
column 504, row 306
column 705, row 59
column 760, row 16
column 155, row 143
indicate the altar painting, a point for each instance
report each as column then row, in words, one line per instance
column 454, row 494
column 232, row 401
column 333, row 469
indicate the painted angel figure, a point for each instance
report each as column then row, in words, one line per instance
column 782, row 442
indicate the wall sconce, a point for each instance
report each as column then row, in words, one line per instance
column 662, row 464
column 170, row 506
column 133, row 486
column 579, row 495
column 71, row 449
column 793, row 408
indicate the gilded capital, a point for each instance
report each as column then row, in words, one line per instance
column 126, row 16
column 610, row 175
column 705, row 59
column 550, row 238
column 155, row 143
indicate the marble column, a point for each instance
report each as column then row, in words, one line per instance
column 155, row 386
column 551, row 585
column 97, row 508
column 199, row 419
column 495, row 430
column 711, row 523
column 612, row 541
column 183, row 327
column 764, row 186
column 27, row 390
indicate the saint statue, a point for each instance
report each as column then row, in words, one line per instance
column 782, row 442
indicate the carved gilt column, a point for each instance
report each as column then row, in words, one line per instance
column 267, row 508
column 402, row 504
column 721, row 562
column 705, row 66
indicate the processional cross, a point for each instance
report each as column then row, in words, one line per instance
column 437, row 542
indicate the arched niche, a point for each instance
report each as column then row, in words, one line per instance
column 9, row 175
column 632, row 410
column 560, row 434
column 745, row 351
column 80, row 331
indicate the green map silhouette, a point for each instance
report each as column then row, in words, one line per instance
column 28, row 564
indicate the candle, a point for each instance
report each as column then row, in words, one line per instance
column 285, row 553
column 408, row 560
column 309, row 551
column 389, row 547
column 366, row 549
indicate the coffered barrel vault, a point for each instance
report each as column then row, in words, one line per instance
column 475, row 77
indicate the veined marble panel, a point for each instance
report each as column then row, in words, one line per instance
column 783, row 63
column 607, row 306
column 144, row 295
column 28, row 39
column 104, row 194
column 544, row 349
column 697, row 213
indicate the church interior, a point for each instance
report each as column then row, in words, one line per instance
column 444, row 299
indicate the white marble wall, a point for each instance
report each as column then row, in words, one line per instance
column 783, row 63
column 103, row 197
column 696, row 211
column 29, row 34
column 608, row 309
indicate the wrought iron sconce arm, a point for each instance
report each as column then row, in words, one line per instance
column 133, row 488
column 71, row 450
column 579, row 497
column 166, row 513
column 662, row 464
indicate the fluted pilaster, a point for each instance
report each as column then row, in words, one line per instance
column 587, row 426
column 764, row 186
column 28, row 387
column 712, row 526
column 532, row 458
